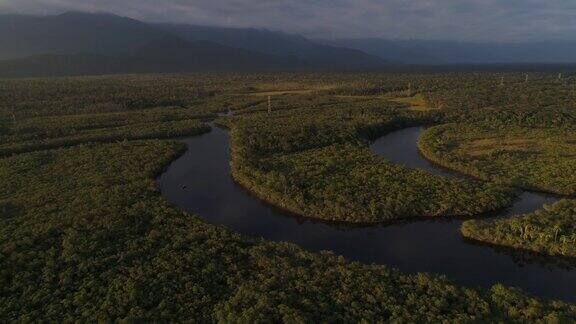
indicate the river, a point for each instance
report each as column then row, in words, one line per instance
column 199, row 182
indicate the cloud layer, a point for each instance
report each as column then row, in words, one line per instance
column 466, row 20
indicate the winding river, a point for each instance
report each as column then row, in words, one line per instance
column 199, row 182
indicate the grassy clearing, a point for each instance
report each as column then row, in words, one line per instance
column 281, row 92
column 415, row 103
column 286, row 88
column 487, row 146
column 532, row 158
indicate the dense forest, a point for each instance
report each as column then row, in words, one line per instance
column 313, row 160
column 85, row 235
column 550, row 230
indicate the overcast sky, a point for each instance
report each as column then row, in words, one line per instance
column 474, row 20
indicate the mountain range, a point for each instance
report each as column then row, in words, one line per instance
column 317, row 55
column 78, row 42
column 94, row 43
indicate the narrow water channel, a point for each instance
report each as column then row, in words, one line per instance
column 199, row 182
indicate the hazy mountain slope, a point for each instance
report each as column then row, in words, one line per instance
column 168, row 54
column 73, row 33
column 449, row 52
column 180, row 55
column 278, row 43
column 111, row 35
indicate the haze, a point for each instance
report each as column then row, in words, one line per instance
column 476, row 20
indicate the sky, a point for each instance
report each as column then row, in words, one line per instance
column 461, row 20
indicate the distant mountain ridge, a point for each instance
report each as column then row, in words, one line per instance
column 165, row 48
column 180, row 55
column 453, row 52
column 278, row 43
column 73, row 33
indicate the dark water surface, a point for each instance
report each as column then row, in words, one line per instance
column 418, row 246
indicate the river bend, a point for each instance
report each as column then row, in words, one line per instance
column 199, row 182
